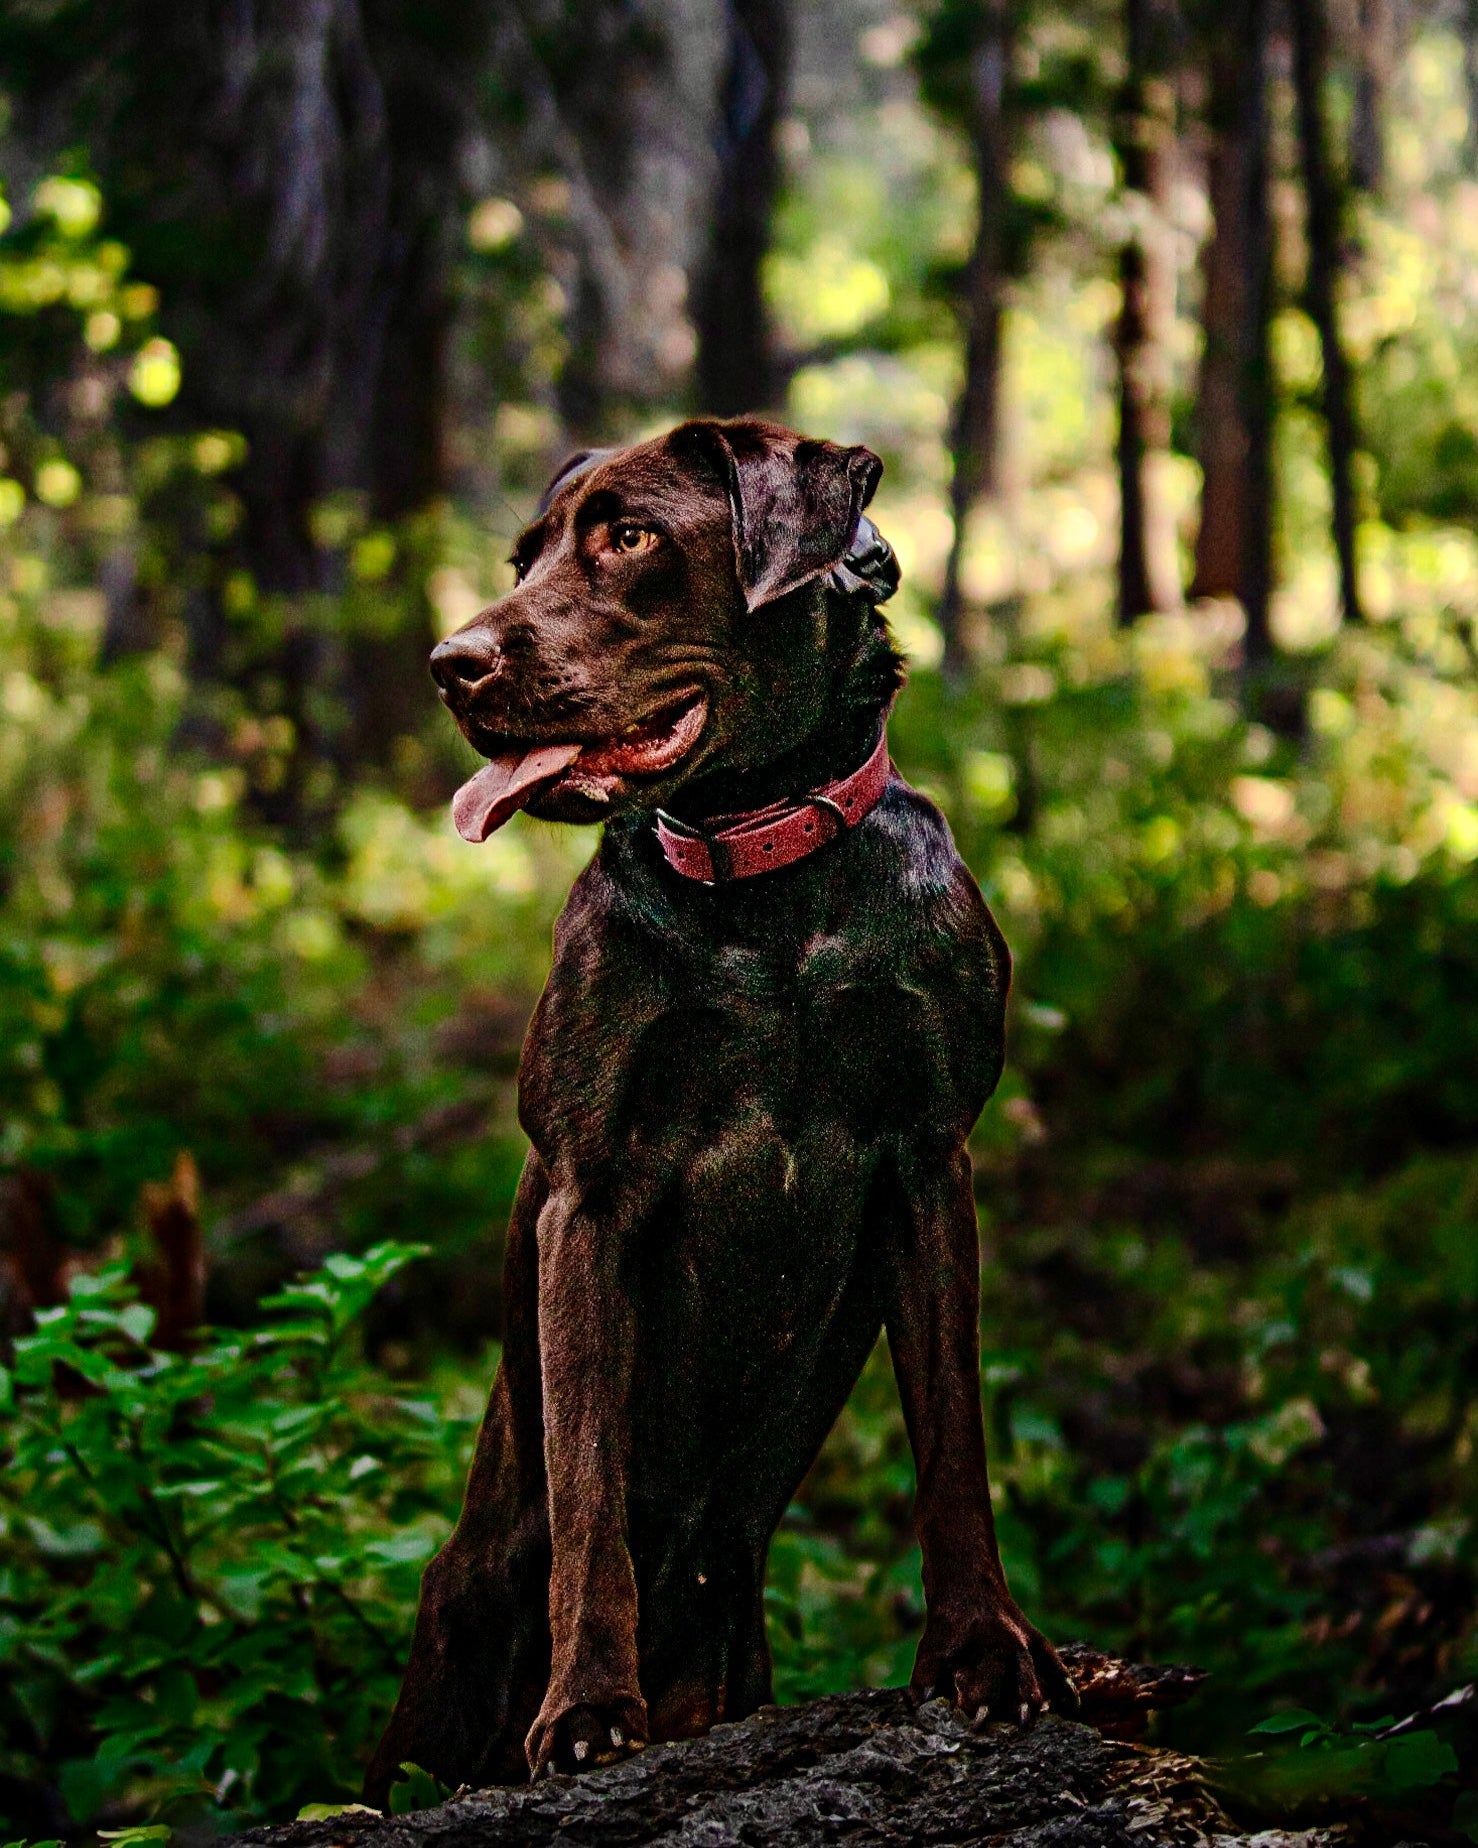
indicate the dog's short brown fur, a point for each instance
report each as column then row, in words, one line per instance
column 747, row 1106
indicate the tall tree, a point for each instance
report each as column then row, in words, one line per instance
column 1144, row 136
column 977, row 40
column 1255, row 382
column 1468, row 28
column 1234, row 411
column 617, row 102
column 736, row 364
column 1373, row 51
column 287, row 172
column 1324, row 214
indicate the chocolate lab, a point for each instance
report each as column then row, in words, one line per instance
column 774, row 1015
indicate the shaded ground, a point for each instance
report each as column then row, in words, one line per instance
column 866, row 1768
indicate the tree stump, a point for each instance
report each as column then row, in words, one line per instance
column 874, row 1770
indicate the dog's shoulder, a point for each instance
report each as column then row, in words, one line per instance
column 923, row 872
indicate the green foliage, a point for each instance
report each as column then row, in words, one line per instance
column 211, row 1558
column 1372, row 1760
column 1227, row 1186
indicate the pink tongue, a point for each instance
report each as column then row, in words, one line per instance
column 504, row 785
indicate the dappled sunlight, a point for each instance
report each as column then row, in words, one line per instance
column 1227, row 1184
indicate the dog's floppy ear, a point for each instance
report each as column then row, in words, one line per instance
column 795, row 502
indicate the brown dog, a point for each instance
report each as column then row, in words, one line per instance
column 747, row 1088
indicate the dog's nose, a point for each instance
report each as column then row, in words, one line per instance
column 464, row 659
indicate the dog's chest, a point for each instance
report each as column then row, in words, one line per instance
column 794, row 1039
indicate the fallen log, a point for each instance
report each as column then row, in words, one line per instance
column 872, row 1769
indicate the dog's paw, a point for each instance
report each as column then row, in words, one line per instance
column 582, row 1737
column 995, row 1666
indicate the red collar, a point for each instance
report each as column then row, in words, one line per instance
column 739, row 846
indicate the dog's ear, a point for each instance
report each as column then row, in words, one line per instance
column 576, row 464
column 795, row 503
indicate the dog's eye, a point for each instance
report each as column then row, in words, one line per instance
column 520, row 568
column 627, row 536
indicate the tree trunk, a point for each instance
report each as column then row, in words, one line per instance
column 1255, row 355
column 1323, row 208
column 1372, row 76
column 618, row 100
column 1468, row 28
column 975, row 432
column 735, row 366
column 287, row 174
column 1145, row 137
column 1221, row 430
column 868, row 1768
column 1234, row 412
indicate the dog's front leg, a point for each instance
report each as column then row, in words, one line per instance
column 593, row 1709
column 977, row 1648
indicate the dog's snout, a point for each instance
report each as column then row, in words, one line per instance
column 462, row 660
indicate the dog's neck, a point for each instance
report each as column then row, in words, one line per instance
column 866, row 676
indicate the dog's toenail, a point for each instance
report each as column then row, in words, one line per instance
column 582, row 1750
column 1026, row 1713
column 1046, row 1706
column 617, row 1736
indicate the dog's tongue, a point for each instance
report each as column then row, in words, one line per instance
column 504, row 784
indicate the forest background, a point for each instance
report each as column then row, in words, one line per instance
column 1164, row 317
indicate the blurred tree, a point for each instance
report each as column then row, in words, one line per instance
column 615, row 102
column 1374, row 52
column 736, row 368
column 1324, row 208
column 287, row 173
column 1467, row 22
column 965, row 63
column 293, row 176
column 1144, row 137
column 1234, row 413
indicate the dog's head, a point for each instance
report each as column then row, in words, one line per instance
column 671, row 616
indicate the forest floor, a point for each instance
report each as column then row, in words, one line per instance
column 868, row 1768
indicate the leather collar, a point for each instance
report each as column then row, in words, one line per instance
column 761, row 840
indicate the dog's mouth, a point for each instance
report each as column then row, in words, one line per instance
column 518, row 770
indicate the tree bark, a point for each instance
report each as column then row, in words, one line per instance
column 1373, row 48
column 287, row 174
column 1221, row 432
column 975, row 430
column 618, row 101
column 1255, row 354
column 1323, row 209
column 1468, row 28
column 1234, row 411
column 1145, row 139
column 736, row 369
column 872, row 1769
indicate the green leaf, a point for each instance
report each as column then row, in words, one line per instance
column 1295, row 1720
column 419, row 1790
column 323, row 1812
column 403, row 1547
column 137, row 1322
column 74, row 1542
column 1417, row 1760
